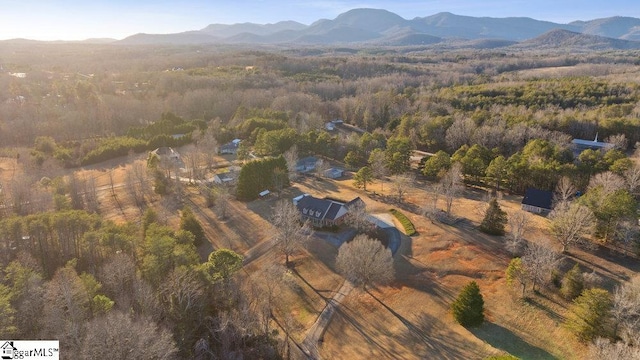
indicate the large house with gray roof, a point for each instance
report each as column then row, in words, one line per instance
column 324, row 212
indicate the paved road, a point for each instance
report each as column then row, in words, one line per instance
column 316, row 332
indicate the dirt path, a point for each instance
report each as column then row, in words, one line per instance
column 316, row 332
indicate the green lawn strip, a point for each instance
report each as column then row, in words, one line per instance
column 409, row 229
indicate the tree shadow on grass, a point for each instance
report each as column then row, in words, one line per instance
column 504, row 339
column 430, row 337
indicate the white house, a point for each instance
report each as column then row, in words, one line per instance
column 166, row 152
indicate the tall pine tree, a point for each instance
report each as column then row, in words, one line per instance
column 468, row 308
column 189, row 222
column 494, row 220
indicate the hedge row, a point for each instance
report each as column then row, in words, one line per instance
column 409, row 229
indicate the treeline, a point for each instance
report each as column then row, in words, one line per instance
column 565, row 93
column 170, row 130
column 260, row 175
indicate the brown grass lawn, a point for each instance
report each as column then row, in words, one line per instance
column 409, row 319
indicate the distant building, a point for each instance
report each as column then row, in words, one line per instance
column 580, row 145
column 324, row 212
column 231, row 147
column 306, row 164
column 537, row 201
column 166, row 152
column 228, row 177
column 333, row 173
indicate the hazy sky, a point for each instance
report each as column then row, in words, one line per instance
column 82, row 19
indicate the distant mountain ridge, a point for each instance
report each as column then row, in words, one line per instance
column 569, row 39
column 382, row 27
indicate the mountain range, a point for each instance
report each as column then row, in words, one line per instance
column 377, row 27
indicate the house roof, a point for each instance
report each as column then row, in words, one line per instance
column 334, row 172
column 230, row 146
column 164, row 150
column 592, row 143
column 355, row 202
column 322, row 209
column 538, row 198
column 309, row 160
column 314, row 207
column 226, row 176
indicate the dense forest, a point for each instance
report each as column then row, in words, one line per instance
column 508, row 119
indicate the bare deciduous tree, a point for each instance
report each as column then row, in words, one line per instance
column 401, row 183
column 519, row 225
column 91, row 195
column 193, row 159
column 627, row 234
column 365, row 262
column 632, row 179
column 133, row 189
column 208, row 146
column 322, row 167
column 291, row 235
column 118, row 276
column 619, row 141
column 21, row 195
column 602, row 348
column 451, row 185
column 460, row 132
column 145, row 301
column 610, row 182
column 358, row 217
column 570, row 222
column 626, row 311
column 291, row 157
column 221, row 201
column 378, row 165
column 539, row 260
column 66, row 308
column 118, row 336
column 564, row 191
column 183, row 298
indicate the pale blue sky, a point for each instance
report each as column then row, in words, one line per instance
column 82, row 19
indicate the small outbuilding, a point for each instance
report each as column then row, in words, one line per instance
column 306, row 164
column 537, row 201
column 225, row 178
column 333, row 173
column 230, row 148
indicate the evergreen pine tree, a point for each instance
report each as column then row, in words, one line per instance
column 572, row 283
column 494, row 220
column 363, row 177
column 468, row 308
column 589, row 316
column 190, row 223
